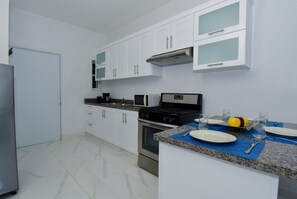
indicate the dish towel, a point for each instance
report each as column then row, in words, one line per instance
column 274, row 137
column 235, row 148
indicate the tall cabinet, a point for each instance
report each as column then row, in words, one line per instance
column 4, row 31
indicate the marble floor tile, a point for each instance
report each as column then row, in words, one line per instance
column 81, row 168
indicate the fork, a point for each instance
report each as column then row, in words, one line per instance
column 187, row 132
column 281, row 139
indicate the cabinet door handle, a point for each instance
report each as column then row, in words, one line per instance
column 90, row 124
column 170, row 41
column 134, row 69
column 104, row 113
column 137, row 69
column 115, row 72
column 126, row 118
column 167, row 41
column 217, row 31
column 215, row 64
column 123, row 117
column 90, row 114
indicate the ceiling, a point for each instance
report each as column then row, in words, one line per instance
column 102, row 16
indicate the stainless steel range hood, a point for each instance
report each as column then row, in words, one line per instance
column 172, row 58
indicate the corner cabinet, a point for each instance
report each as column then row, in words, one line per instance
column 222, row 35
column 173, row 36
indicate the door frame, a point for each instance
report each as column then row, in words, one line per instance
column 60, row 79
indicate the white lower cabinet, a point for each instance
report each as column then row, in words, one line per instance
column 126, row 130
column 91, row 120
column 116, row 126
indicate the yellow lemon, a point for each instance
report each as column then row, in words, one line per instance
column 246, row 122
column 234, row 122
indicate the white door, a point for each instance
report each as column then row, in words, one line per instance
column 37, row 96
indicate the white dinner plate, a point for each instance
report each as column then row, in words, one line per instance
column 211, row 121
column 281, row 131
column 213, row 136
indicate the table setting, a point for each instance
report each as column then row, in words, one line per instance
column 237, row 136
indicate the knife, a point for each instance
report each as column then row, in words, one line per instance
column 251, row 147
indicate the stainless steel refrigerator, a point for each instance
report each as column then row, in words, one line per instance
column 8, row 158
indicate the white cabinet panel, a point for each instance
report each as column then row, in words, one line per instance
column 173, row 36
column 133, row 56
column 126, row 131
column 122, row 60
column 222, row 18
column 226, row 51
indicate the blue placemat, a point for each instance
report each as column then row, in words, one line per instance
column 235, row 148
column 210, row 126
column 274, row 137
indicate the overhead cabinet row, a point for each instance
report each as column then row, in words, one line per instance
column 220, row 35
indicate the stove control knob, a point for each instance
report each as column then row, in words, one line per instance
column 170, row 120
column 147, row 116
column 164, row 119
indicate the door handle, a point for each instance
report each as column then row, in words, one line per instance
column 126, row 118
column 137, row 69
column 170, row 41
column 123, row 117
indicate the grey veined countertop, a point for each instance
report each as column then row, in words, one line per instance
column 276, row 158
column 118, row 104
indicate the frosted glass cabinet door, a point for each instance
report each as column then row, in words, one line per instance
column 101, row 58
column 222, row 51
column 100, row 73
column 223, row 18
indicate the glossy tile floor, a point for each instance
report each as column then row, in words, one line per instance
column 82, row 168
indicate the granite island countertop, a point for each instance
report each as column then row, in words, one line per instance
column 117, row 104
column 276, row 158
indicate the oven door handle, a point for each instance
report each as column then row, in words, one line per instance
column 157, row 123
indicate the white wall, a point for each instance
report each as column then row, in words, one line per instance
column 4, row 29
column 271, row 84
column 75, row 45
column 168, row 10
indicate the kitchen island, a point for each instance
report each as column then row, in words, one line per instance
column 190, row 171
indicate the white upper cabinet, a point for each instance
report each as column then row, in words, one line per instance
column 113, row 62
column 173, row 36
column 222, row 18
column 222, row 52
column 223, row 36
column 102, row 57
column 139, row 50
column 122, row 60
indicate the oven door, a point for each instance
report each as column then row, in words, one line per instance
column 146, row 144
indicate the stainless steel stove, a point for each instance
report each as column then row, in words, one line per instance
column 175, row 109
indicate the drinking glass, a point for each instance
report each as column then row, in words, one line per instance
column 259, row 132
column 203, row 123
column 263, row 118
column 226, row 115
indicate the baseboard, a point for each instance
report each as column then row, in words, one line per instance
column 71, row 136
column 287, row 194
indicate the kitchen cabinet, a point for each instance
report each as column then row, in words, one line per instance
column 122, row 60
column 91, row 120
column 140, row 49
column 113, row 62
column 102, row 58
column 119, row 127
column 126, row 130
column 100, row 73
column 223, row 37
column 106, row 125
column 222, row 52
column 173, row 36
column 222, row 18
